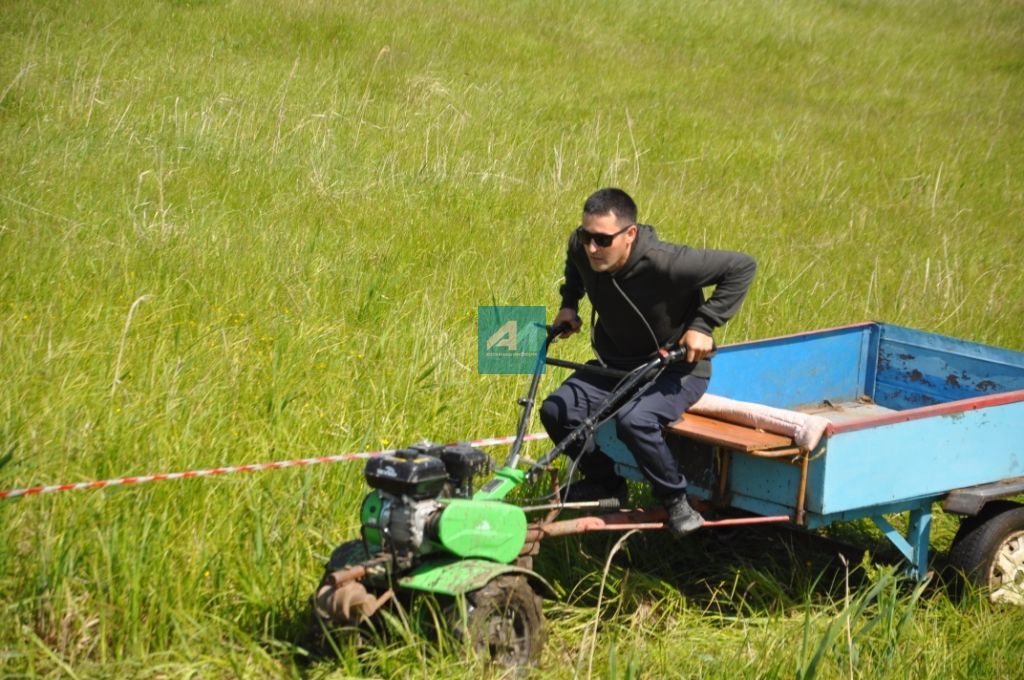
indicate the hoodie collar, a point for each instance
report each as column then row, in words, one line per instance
column 645, row 235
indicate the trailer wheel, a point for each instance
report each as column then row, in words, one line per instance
column 504, row 622
column 989, row 552
column 987, row 512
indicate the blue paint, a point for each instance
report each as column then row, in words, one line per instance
column 915, row 546
column 920, row 369
column 918, row 533
column 899, row 367
column 815, row 521
column 894, row 536
column 767, row 479
column 924, row 457
column 803, row 369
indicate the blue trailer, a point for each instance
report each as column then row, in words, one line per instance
column 914, row 418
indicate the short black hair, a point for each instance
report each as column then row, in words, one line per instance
column 611, row 200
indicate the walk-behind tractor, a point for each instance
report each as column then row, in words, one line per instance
column 426, row 527
column 863, row 421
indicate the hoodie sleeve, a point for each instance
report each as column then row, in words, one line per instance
column 571, row 290
column 731, row 273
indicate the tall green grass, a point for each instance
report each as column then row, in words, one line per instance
column 305, row 202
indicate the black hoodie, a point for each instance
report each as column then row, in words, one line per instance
column 655, row 296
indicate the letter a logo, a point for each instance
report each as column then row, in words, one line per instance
column 504, row 336
column 509, row 339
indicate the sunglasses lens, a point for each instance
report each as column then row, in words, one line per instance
column 602, row 240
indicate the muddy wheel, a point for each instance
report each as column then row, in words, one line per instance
column 504, row 621
column 989, row 552
column 345, row 555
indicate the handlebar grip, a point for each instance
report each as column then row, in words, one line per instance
column 555, row 331
column 672, row 356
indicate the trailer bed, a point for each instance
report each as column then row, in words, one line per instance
column 912, row 416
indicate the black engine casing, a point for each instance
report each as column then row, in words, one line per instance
column 410, row 472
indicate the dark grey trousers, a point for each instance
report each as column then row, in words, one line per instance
column 639, row 424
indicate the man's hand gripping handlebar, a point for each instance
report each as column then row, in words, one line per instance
column 568, row 321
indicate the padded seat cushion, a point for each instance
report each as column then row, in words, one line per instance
column 804, row 429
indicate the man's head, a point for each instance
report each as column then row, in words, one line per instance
column 609, row 217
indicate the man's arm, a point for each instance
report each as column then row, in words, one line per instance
column 731, row 273
column 572, row 291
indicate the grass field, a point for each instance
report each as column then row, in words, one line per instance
column 237, row 232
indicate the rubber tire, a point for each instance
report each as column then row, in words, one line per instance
column 979, row 541
column 987, row 512
column 506, row 605
column 345, row 555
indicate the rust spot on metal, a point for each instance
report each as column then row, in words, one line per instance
column 906, row 357
column 918, row 398
column 883, row 362
column 952, row 380
column 916, row 376
column 986, row 385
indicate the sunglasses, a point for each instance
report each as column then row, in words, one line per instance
column 601, row 240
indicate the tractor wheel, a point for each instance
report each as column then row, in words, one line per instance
column 989, row 552
column 504, row 622
column 345, row 555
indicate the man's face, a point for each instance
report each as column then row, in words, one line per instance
column 611, row 258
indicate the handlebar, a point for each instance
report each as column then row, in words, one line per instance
column 667, row 356
column 647, row 371
column 527, row 401
column 555, row 331
column 672, row 356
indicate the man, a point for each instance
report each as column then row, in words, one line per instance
column 646, row 295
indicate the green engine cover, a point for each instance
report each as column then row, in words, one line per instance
column 370, row 514
column 487, row 529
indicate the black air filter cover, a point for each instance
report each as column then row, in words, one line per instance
column 408, row 472
column 463, row 461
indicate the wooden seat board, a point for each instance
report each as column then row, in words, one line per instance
column 721, row 433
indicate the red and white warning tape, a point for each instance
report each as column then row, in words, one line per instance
column 255, row 467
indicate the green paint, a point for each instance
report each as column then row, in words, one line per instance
column 453, row 576
column 481, row 528
column 504, row 481
column 369, row 516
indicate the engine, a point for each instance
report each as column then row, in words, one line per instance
column 399, row 514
